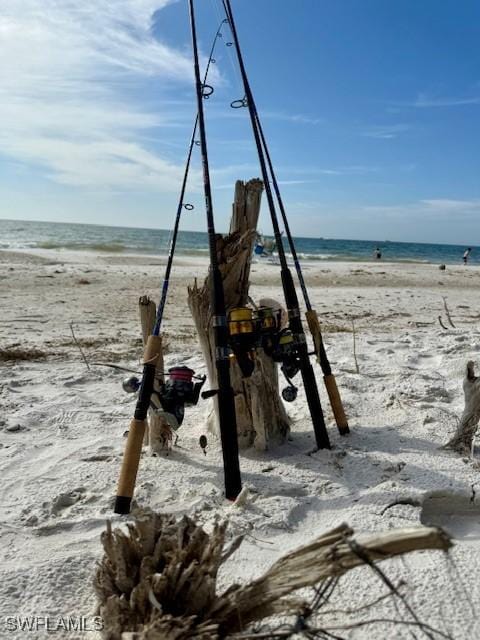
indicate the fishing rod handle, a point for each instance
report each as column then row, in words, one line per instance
column 336, row 404
column 136, row 433
column 128, row 472
column 328, row 377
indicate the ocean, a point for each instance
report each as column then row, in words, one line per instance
column 21, row 234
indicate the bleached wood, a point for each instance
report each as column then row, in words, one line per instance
column 158, row 432
column 261, row 417
column 158, row 579
column 462, row 441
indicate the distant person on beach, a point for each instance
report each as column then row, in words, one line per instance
column 466, row 255
column 377, row 253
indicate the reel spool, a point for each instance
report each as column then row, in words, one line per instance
column 243, row 338
column 285, row 353
column 267, row 326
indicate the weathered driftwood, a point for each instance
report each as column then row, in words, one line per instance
column 158, row 580
column 159, row 434
column 462, row 441
column 261, row 416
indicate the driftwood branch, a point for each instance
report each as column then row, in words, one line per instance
column 447, row 312
column 441, row 323
column 357, row 368
column 158, row 580
column 462, row 441
column 159, row 434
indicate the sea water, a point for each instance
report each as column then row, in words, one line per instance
column 21, row 234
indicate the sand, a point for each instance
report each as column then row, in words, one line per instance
column 62, row 431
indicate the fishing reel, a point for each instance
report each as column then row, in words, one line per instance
column 268, row 324
column 171, row 397
column 286, row 354
column 248, row 331
column 176, row 392
column 243, row 338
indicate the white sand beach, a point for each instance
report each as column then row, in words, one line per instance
column 62, row 431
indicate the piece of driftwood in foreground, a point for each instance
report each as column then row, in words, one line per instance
column 157, row 581
column 261, row 416
column 462, row 441
column 158, row 435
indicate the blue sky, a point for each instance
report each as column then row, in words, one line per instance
column 371, row 109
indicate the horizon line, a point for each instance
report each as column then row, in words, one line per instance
column 113, row 226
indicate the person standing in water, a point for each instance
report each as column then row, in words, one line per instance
column 466, row 255
column 377, row 253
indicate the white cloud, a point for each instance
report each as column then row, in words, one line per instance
column 68, row 95
column 385, row 132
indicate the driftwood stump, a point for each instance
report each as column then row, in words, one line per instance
column 261, row 416
column 462, row 441
column 158, row 434
column 158, row 579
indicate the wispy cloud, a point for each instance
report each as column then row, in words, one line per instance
column 425, row 100
column 297, row 118
column 385, row 132
column 432, row 208
column 349, row 170
column 71, row 74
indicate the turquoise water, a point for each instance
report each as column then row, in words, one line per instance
column 53, row 235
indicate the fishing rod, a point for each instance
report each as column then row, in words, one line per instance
column 291, row 300
column 224, row 393
column 153, row 348
column 311, row 314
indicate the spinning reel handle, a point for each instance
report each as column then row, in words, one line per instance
column 209, row 394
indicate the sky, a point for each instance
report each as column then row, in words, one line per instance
column 370, row 108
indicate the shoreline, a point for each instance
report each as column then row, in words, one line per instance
column 191, row 256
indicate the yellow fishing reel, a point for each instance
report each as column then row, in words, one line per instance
column 267, row 326
column 243, row 338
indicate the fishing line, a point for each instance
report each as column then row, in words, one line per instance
column 228, row 45
column 207, row 91
column 117, row 366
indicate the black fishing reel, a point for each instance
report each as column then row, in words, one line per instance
column 286, row 354
column 176, row 392
column 170, row 399
column 243, row 338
